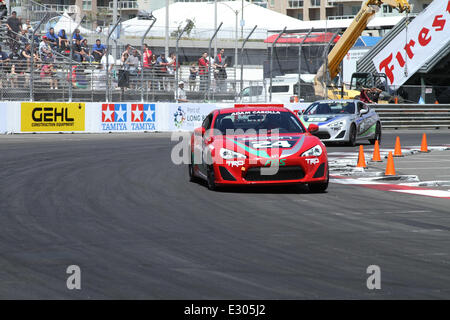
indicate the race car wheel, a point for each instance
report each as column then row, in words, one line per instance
column 319, row 187
column 352, row 136
column 192, row 177
column 377, row 134
column 211, row 178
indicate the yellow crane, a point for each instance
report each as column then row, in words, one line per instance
column 348, row 39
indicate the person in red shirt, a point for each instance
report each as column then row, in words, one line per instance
column 203, row 70
column 148, row 65
column 363, row 96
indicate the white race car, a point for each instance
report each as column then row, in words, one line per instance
column 343, row 121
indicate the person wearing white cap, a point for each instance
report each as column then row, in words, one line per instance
column 181, row 93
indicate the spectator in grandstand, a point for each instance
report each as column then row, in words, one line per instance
column 4, row 60
column 111, row 61
column 147, row 67
column 98, row 50
column 161, row 71
column 24, row 37
column 99, row 78
column 48, row 75
column 79, row 78
column 77, row 36
column 98, row 29
column 14, row 28
column 181, row 93
column 26, row 55
column 13, row 77
column 30, row 36
column 127, row 52
column 77, row 51
column 45, row 51
column 63, row 42
column 203, row 70
column 27, row 26
column 133, row 63
column 153, row 70
column 52, row 38
column 87, row 57
column 193, row 72
column 14, row 56
column 171, row 69
column 220, row 71
column 3, row 9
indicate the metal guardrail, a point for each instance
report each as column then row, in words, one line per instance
column 399, row 116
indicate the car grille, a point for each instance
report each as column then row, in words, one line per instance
column 322, row 135
column 283, row 173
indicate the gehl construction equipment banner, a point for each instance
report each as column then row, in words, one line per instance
column 52, row 116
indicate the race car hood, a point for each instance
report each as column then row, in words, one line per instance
column 322, row 119
column 268, row 146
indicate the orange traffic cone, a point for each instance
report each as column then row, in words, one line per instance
column 390, row 169
column 424, row 145
column 361, row 159
column 398, row 148
column 376, row 152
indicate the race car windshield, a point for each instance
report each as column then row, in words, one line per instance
column 330, row 108
column 284, row 122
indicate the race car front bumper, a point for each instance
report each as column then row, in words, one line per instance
column 328, row 134
column 302, row 170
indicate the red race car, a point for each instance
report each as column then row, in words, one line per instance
column 257, row 145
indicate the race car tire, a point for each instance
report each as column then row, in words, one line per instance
column 211, row 178
column 192, row 177
column 377, row 134
column 319, row 187
column 352, row 136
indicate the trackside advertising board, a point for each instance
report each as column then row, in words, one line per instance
column 188, row 116
column 52, row 117
column 426, row 35
column 2, row 117
column 128, row 117
column 105, row 117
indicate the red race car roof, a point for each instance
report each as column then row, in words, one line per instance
column 243, row 109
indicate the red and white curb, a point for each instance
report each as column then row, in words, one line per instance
column 392, row 187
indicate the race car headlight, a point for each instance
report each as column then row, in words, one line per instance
column 337, row 125
column 230, row 154
column 314, row 151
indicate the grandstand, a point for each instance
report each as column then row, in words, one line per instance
column 62, row 73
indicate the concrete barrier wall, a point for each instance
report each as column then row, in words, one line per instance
column 47, row 117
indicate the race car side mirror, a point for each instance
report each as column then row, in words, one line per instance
column 199, row 131
column 363, row 111
column 313, row 128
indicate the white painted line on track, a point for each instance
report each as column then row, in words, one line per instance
column 427, row 192
column 434, row 168
column 411, row 211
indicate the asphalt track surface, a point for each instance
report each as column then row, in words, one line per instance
column 116, row 206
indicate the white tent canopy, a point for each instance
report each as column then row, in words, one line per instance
column 202, row 13
column 68, row 24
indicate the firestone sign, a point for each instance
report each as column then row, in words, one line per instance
column 415, row 45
